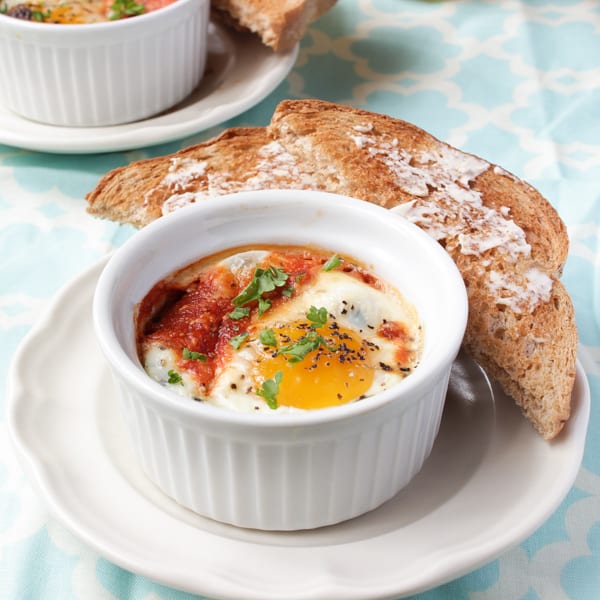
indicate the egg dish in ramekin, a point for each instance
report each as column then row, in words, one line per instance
column 282, row 356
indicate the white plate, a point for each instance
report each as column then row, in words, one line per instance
column 240, row 72
column 489, row 483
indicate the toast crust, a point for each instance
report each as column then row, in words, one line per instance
column 508, row 242
column 280, row 24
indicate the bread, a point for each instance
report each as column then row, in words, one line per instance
column 237, row 160
column 280, row 24
column 506, row 239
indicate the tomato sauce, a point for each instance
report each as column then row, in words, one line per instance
column 192, row 311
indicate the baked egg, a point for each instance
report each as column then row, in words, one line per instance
column 277, row 329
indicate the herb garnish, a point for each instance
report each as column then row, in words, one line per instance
column 174, row 377
column 191, row 355
column 239, row 313
column 238, row 340
column 297, row 350
column 125, row 8
column 264, row 304
column 332, row 263
column 267, row 338
column 40, row 15
column 306, row 344
column 263, row 281
column 317, row 316
column 270, row 389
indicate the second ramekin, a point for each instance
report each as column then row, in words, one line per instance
column 103, row 74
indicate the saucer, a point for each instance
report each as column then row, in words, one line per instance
column 240, row 72
column 489, row 483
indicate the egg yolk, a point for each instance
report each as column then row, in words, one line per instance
column 336, row 372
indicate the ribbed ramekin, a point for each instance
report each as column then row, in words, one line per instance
column 284, row 471
column 103, row 73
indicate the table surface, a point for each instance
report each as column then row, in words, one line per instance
column 515, row 82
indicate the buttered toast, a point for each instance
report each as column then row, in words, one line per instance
column 506, row 239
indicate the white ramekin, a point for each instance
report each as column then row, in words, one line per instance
column 288, row 471
column 103, row 73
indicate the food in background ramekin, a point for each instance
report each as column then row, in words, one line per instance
column 102, row 73
column 284, row 470
column 78, row 12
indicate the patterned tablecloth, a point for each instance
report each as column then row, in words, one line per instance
column 516, row 82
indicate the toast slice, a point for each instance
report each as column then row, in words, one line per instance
column 506, row 239
column 280, row 24
column 240, row 159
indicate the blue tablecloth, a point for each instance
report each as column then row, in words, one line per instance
column 516, row 82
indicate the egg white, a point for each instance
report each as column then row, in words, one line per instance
column 159, row 360
column 243, row 264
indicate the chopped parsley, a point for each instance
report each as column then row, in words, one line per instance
column 239, row 312
column 174, row 377
column 299, row 349
column 334, row 262
column 190, row 355
column 238, row 340
column 317, row 316
column 39, row 15
column 264, row 304
column 309, row 342
column 125, row 8
column 262, row 282
column 267, row 338
column 270, row 389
